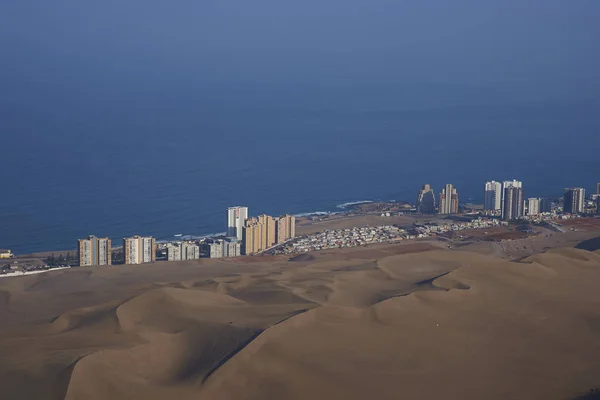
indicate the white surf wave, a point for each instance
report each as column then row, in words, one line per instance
column 353, row 203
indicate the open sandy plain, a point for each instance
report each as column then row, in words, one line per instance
column 409, row 321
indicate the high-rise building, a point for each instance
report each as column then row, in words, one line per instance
column 236, row 218
column 183, row 251
column 533, row 206
column 545, row 205
column 215, row 249
column 139, row 250
column 174, row 251
column 598, row 205
column 232, row 248
column 190, row 251
column 598, row 188
column 449, row 200
column 255, row 235
column 513, row 183
column 512, row 208
column 285, row 228
column 220, row 248
column 426, row 200
column 94, row 251
column 512, row 204
column 574, row 200
column 493, row 196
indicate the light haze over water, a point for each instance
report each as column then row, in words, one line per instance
column 152, row 117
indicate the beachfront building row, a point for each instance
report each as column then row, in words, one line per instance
column 94, row 251
column 264, row 232
column 139, row 250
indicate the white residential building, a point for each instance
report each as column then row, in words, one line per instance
column 138, row 250
column 190, row 251
column 95, row 251
column 174, row 252
column 533, row 206
column 493, row 196
column 236, row 218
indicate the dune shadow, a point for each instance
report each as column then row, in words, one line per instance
column 590, row 244
column 245, row 343
column 594, row 394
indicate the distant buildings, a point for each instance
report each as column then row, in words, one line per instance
column 258, row 234
column 263, row 232
column 493, row 196
column 574, row 200
column 598, row 205
column 222, row 248
column 533, row 206
column 6, row 254
column 545, row 205
column 426, row 200
column 512, row 200
column 174, row 252
column 236, row 218
column 285, row 228
column 598, row 188
column 139, row 250
column 94, row 251
column 190, row 251
column 449, row 200
column 182, row 251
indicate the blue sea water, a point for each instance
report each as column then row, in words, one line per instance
column 163, row 162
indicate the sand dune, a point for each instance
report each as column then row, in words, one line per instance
column 361, row 324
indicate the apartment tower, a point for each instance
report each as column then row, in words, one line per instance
column 183, row 251
column 426, row 200
column 493, row 196
column 94, row 251
column 449, row 200
column 236, row 218
column 139, row 250
column 512, row 205
column 285, row 228
column 574, row 200
column 533, row 206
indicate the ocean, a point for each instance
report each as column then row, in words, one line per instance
column 161, row 161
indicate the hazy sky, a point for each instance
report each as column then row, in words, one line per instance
column 549, row 46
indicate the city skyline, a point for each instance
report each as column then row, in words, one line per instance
column 262, row 232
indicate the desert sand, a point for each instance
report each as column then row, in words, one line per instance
column 384, row 322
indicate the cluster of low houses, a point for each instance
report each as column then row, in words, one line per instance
column 354, row 237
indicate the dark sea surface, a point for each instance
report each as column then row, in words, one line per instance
column 158, row 162
column 140, row 117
